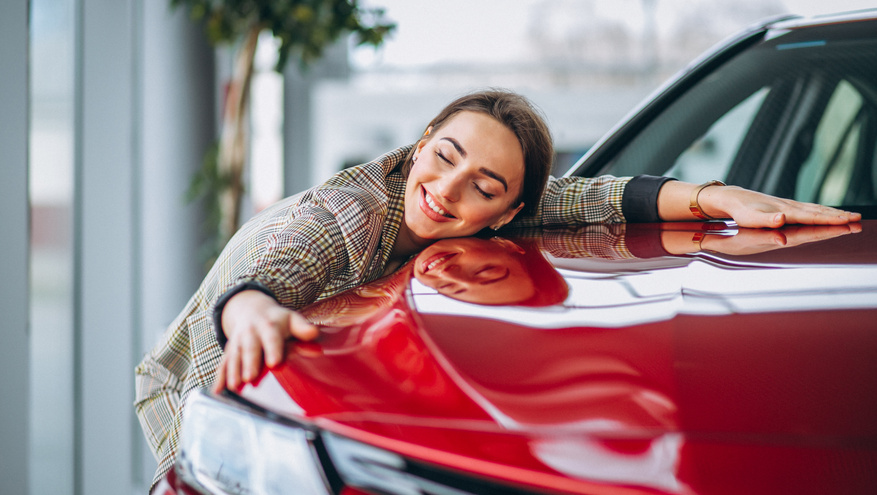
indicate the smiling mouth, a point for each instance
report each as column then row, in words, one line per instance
column 436, row 260
column 434, row 207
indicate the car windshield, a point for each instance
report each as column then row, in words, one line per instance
column 794, row 115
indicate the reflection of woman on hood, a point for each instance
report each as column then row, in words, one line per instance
column 493, row 271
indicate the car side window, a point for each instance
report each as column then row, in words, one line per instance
column 711, row 155
column 794, row 115
column 826, row 174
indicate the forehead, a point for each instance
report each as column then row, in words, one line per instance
column 487, row 143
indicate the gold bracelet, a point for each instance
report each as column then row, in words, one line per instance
column 694, row 207
column 697, row 239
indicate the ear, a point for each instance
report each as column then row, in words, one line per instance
column 508, row 216
column 422, row 142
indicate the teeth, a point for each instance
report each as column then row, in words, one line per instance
column 436, row 262
column 434, row 207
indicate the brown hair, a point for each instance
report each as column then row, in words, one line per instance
column 521, row 117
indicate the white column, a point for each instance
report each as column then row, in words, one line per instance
column 177, row 128
column 14, row 352
column 298, row 122
column 105, row 266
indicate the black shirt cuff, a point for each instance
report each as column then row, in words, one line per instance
column 639, row 202
column 221, row 339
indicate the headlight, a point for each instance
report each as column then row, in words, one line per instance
column 226, row 448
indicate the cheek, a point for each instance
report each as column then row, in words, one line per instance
column 482, row 216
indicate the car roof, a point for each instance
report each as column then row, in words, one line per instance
column 794, row 21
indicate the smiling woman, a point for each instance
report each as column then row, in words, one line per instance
column 482, row 163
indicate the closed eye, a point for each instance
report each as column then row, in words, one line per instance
column 445, row 159
column 484, row 193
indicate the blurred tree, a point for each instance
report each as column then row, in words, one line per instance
column 304, row 29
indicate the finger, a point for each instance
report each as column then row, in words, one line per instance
column 779, row 238
column 299, row 328
column 302, row 329
column 821, row 232
column 232, row 367
column 813, row 214
column 274, row 346
column 219, row 379
column 250, row 357
column 761, row 219
column 777, row 221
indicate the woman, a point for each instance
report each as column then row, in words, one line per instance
column 482, row 163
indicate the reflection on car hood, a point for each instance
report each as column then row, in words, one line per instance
column 700, row 373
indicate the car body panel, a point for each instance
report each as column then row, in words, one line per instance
column 709, row 397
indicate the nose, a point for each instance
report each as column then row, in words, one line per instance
column 454, row 274
column 450, row 187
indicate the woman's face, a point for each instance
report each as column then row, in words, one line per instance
column 466, row 176
column 475, row 270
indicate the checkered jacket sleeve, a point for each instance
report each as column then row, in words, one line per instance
column 577, row 200
column 606, row 241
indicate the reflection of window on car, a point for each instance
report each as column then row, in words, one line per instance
column 793, row 114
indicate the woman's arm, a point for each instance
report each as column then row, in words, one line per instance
column 326, row 244
column 578, row 200
column 747, row 208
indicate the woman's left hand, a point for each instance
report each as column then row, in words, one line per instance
column 747, row 208
column 754, row 209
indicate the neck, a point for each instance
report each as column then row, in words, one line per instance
column 406, row 244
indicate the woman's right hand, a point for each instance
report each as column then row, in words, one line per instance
column 256, row 326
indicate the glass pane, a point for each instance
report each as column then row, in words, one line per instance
column 51, row 270
column 794, row 115
column 825, row 175
column 837, row 181
column 711, row 155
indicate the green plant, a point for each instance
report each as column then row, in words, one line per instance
column 304, row 28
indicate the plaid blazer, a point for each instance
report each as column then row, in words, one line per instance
column 333, row 237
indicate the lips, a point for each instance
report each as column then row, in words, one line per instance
column 432, row 208
column 435, row 260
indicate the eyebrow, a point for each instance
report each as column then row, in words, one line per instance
column 486, row 171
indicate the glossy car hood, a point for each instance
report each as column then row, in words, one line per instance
column 637, row 371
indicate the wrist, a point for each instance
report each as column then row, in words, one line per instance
column 222, row 319
column 702, row 202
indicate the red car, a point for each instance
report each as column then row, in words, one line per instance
column 590, row 360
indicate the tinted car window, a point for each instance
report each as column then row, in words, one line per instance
column 793, row 115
